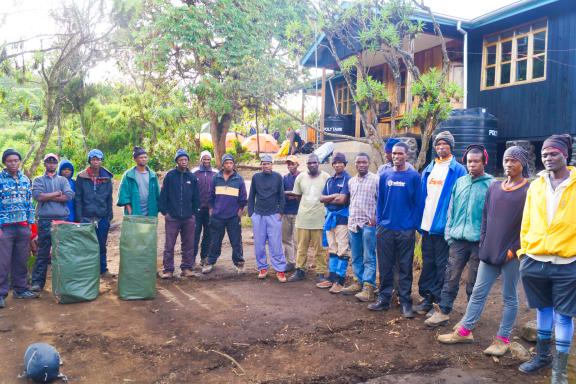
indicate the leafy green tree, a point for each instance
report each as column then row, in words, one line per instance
column 386, row 27
column 224, row 51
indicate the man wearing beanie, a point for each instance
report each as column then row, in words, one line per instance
column 16, row 217
column 179, row 205
column 438, row 179
column 94, row 202
column 548, row 257
column 499, row 241
column 227, row 202
column 265, row 206
column 139, row 189
column 462, row 232
column 336, row 199
column 204, row 174
column 52, row 192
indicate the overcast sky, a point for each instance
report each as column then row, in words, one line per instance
column 27, row 18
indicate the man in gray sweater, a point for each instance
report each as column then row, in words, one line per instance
column 52, row 192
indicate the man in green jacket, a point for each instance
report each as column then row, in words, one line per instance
column 139, row 190
column 463, row 231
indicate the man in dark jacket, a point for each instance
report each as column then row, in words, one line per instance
column 52, row 192
column 204, row 173
column 179, row 205
column 227, row 203
column 94, row 201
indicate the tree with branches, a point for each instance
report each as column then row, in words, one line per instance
column 387, row 27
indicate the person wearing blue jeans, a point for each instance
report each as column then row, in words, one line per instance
column 93, row 202
column 548, row 257
column 499, row 241
column 363, row 190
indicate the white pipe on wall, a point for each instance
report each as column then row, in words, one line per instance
column 463, row 32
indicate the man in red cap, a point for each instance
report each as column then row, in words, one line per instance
column 52, row 192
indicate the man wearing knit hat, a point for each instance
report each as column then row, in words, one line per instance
column 16, row 217
column 94, row 202
column 227, row 202
column 289, row 214
column 548, row 257
column 336, row 199
column 139, row 189
column 438, row 179
column 52, row 192
column 265, row 207
column 179, row 205
column 204, row 173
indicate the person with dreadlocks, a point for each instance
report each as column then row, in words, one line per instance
column 463, row 231
column 499, row 241
column 548, row 257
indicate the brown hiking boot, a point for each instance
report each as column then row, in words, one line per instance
column 336, row 288
column 165, row 275
column 187, row 273
column 367, row 294
column 455, row 338
column 438, row 318
column 497, row 348
column 324, row 284
column 352, row 289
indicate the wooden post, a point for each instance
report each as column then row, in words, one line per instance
column 257, row 134
column 358, row 120
column 323, row 104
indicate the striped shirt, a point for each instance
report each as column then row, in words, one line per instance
column 363, row 198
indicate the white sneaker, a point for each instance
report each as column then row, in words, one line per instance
column 207, row 268
column 239, row 269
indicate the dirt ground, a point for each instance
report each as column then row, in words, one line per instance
column 229, row 328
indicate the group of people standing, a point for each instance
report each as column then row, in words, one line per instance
column 464, row 216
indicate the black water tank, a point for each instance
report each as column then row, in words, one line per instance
column 340, row 124
column 473, row 126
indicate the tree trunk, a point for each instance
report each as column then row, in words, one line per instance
column 218, row 129
column 53, row 108
column 427, row 131
column 83, row 130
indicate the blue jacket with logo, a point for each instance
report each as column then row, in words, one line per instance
column 455, row 172
column 179, row 195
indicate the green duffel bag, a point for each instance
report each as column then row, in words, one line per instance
column 137, row 277
column 75, row 262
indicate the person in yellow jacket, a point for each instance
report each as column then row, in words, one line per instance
column 548, row 256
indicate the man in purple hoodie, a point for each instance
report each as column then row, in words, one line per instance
column 204, row 173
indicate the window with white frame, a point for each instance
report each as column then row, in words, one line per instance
column 515, row 56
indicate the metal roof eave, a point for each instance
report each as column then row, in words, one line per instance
column 508, row 11
column 312, row 49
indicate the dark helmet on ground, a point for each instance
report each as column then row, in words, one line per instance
column 42, row 363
